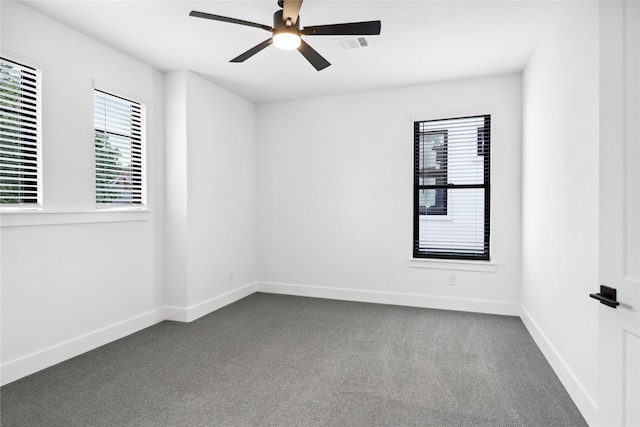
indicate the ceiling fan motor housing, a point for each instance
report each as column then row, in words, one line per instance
column 279, row 24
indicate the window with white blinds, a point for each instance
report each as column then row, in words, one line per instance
column 20, row 134
column 451, row 188
column 119, row 151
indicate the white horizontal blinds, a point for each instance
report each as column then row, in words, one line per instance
column 118, row 150
column 20, row 133
column 452, row 166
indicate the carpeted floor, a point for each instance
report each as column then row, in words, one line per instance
column 273, row 360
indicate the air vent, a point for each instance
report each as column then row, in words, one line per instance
column 353, row 43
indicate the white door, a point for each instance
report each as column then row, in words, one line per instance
column 619, row 366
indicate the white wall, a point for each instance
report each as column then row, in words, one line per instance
column 177, row 213
column 73, row 278
column 560, row 201
column 335, row 196
column 211, row 223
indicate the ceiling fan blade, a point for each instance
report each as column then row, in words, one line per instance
column 318, row 62
column 248, row 54
column 367, row 28
column 230, row 20
column 291, row 10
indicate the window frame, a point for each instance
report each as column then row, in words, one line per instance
column 33, row 142
column 137, row 137
column 484, row 150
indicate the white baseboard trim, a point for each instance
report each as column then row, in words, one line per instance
column 32, row 363
column 393, row 298
column 189, row 314
column 582, row 398
column 27, row 365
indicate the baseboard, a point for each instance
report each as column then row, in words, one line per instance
column 393, row 298
column 582, row 398
column 27, row 365
column 189, row 314
column 32, row 363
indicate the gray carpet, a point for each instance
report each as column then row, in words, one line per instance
column 273, row 360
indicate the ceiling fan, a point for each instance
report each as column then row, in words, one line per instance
column 287, row 34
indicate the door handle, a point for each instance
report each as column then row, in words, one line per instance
column 607, row 296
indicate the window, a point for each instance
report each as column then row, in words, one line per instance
column 451, row 188
column 118, row 151
column 20, row 134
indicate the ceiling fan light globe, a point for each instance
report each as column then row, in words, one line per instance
column 286, row 40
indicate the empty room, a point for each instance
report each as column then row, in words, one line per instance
column 320, row 213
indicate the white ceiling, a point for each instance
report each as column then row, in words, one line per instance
column 420, row 41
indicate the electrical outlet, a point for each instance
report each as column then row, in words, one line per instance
column 453, row 279
column 230, row 276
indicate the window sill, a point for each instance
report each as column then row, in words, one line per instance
column 33, row 217
column 460, row 265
